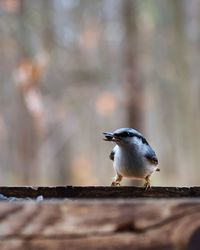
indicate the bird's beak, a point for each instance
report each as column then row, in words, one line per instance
column 108, row 136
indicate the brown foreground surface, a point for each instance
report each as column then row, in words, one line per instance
column 123, row 223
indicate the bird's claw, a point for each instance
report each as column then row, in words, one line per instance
column 147, row 184
column 115, row 184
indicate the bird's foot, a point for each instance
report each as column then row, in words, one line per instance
column 115, row 184
column 147, row 184
column 116, row 180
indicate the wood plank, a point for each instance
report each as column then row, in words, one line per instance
column 76, row 192
column 101, row 224
column 100, row 218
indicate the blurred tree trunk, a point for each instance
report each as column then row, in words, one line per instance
column 133, row 86
column 28, row 103
column 47, row 25
column 56, row 143
column 184, row 117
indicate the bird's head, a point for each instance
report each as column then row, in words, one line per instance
column 122, row 136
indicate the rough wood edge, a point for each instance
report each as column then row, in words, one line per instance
column 99, row 192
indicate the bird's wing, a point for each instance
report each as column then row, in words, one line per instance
column 112, row 154
column 151, row 157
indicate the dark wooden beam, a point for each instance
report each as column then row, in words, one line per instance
column 100, row 192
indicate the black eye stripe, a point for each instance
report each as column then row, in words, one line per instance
column 131, row 134
column 126, row 134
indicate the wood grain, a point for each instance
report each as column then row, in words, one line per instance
column 131, row 223
column 152, row 224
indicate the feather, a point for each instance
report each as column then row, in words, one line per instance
column 151, row 157
column 112, row 155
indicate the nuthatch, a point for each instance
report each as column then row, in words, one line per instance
column 132, row 157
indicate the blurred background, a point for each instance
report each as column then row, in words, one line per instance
column 72, row 69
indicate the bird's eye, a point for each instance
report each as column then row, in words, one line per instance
column 126, row 134
column 130, row 134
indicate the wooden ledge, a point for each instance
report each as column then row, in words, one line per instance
column 99, row 192
column 101, row 223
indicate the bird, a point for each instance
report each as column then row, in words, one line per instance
column 132, row 156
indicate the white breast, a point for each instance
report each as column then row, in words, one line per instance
column 130, row 162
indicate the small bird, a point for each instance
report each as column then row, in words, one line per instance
column 132, row 157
